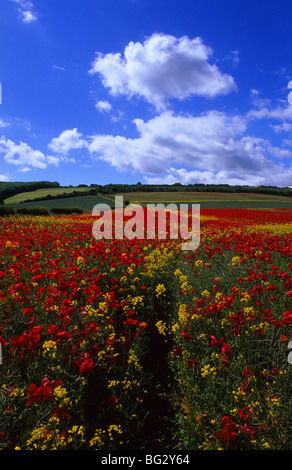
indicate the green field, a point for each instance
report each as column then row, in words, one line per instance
column 20, row 197
column 84, row 202
column 205, row 199
column 211, row 199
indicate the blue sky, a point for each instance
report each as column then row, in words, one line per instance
column 156, row 91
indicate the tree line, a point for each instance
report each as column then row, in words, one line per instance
column 10, row 189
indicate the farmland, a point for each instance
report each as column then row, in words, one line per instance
column 205, row 199
column 43, row 192
column 135, row 344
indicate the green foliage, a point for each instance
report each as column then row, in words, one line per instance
column 66, row 210
column 33, row 210
column 197, row 187
column 6, row 211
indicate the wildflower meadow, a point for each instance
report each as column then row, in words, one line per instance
column 136, row 344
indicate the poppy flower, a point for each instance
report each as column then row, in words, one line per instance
column 44, row 392
column 186, row 336
column 85, row 364
column 244, row 414
column 28, row 311
column 287, row 317
column 216, row 342
column 192, row 364
column 227, row 434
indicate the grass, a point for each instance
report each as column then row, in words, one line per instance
column 84, row 202
column 205, row 199
column 17, row 198
column 208, row 199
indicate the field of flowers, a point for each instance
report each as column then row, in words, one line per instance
column 136, row 344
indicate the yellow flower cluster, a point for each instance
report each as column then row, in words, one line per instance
column 60, row 393
column 49, row 437
column 50, row 348
column 162, row 328
column 103, row 435
column 182, row 313
column 16, row 392
column 208, row 370
column 133, row 360
column 160, row 290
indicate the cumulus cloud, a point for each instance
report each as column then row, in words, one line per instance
column 104, row 106
column 213, row 141
column 209, row 140
column 211, row 147
column 25, row 157
column 163, row 67
column 22, row 155
column 281, row 113
column 66, row 141
column 263, row 109
column 277, row 175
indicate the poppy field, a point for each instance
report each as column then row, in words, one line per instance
column 136, row 344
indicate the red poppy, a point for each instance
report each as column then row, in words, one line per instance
column 85, row 364
column 192, row 364
column 28, row 311
column 44, row 392
column 287, row 318
column 244, row 414
column 252, row 432
column 227, row 434
column 60, row 412
column 216, row 342
column 186, row 336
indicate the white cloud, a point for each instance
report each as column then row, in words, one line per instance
column 284, row 127
column 212, row 146
column 256, row 99
column 103, row 106
column 163, row 67
column 67, row 140
column 209, row 140
column 278, row 175
column 233, row 57
column 4, row 124
column 57, row 67
column 4, row 178
column 27, row 16
column 25, row 157
column 26, row 11
column 22, row 155
column 264, row 110
column 25, row 4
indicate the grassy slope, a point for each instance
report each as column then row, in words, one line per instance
column 205, row 199
column 211, row 199
column 20, row 197
column 84, row 202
